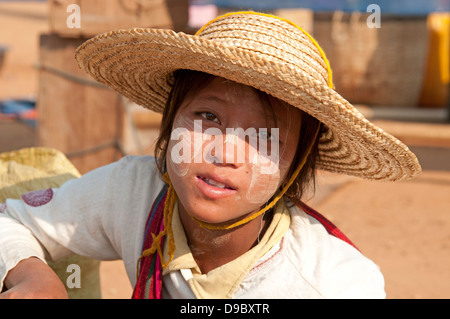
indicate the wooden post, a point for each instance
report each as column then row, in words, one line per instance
column 91, row 124
column 77, row 115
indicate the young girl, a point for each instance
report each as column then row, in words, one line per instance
column 249, row 113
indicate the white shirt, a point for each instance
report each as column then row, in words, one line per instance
column 102, row 215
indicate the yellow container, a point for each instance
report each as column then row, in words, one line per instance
column 436, row 82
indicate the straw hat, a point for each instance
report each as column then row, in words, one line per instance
column 262, row 51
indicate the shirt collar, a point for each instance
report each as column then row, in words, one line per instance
column 223, row 281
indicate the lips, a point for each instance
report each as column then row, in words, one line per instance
column 214, row 187
column 214, row 183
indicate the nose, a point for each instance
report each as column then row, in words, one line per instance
column 225, row 149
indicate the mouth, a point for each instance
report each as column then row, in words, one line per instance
column 214, row 188
column 215, row 183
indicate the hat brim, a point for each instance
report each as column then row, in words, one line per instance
column 139, row 64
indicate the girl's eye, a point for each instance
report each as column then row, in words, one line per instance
column 210, row 117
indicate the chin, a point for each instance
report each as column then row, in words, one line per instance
column 210, row 214
column 219, row 214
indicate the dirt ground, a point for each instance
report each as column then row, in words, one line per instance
column 404, row 227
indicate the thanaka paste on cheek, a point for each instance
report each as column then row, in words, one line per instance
column 184, row 146
column 177, row 161
column 262, row 185
column 267, row 172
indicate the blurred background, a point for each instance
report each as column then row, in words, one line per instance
column 392, row 64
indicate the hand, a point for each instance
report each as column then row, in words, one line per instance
column 33, row 279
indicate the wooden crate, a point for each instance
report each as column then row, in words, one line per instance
column 91, row 124
column 98, row 16
column 76, row 115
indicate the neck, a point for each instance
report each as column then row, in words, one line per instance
column 214, row 248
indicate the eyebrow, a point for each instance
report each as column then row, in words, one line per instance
column 266, row 115
column 211, row 98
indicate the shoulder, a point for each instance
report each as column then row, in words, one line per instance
column 136, row 178
column 135, row 163
column 129, row 170
column 310, row 262
column 331, row 265
column 127, row 184
column 123, row 192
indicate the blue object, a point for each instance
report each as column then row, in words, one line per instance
column 16, row 106
column 17, row 109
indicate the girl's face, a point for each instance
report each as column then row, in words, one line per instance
column 222, row 159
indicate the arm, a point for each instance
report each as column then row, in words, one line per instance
column 101, row 215
column 33, row 279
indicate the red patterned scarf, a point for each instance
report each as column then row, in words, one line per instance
column 149, row 282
